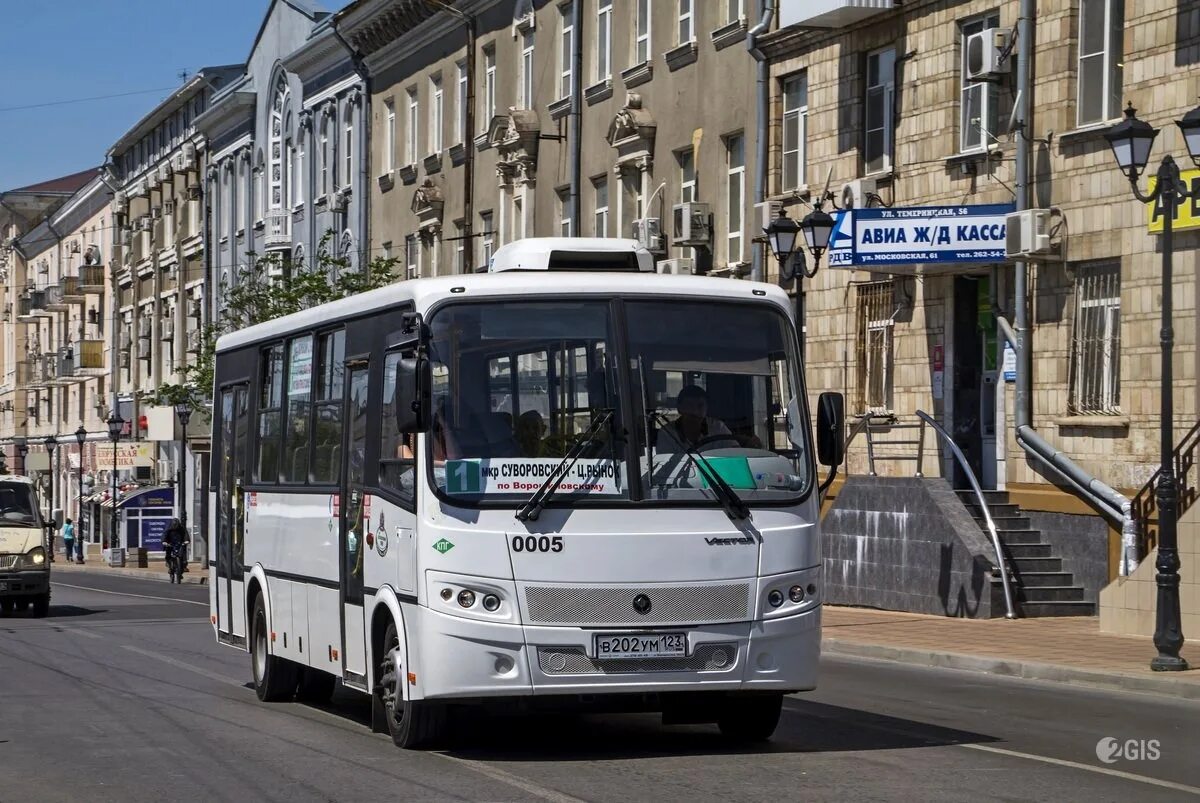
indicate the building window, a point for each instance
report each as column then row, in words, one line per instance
column 874, row 347
column 735, row 195
column 323, row 158
column 686, row 159
column 288, row 174
column 600, row 188
column 604, row 41
column 564, row 211
column 518, row 219
column 489, row 86
column 411, row 140
column 641, row 33
column 1096, row 340
column 566, row 49
column 686, row 29
column 527, row 70
column 270, row 413
column 327, row 408
column 795, row 131
column 735, row 10
column 298, row 400
column 435, row 114
column 489, row 237
column 389, row 138
column 629, row 202
column 877, row 150
column 981, row 99
column 460, row 246
column 460, row 125
column 412, row 266
column 275, row 164
column 298, row 181
column 240, row 191
column 348, row 149
column 1101, row 53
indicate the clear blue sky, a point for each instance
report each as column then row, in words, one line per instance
column 61, row 50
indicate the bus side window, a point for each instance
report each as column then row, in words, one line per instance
column 397, row 456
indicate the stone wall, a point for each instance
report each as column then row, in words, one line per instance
column 1081, row 542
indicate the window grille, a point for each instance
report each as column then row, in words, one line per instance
column 1096, row 341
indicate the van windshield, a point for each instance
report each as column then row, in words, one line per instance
column 17, row 506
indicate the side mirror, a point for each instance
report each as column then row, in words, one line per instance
column 831, row 426
column 412, row 395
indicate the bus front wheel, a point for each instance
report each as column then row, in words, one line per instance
column 411, row 724
column 275, row 678
column 750, row 718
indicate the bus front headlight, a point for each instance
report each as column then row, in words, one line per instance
column 34, row 558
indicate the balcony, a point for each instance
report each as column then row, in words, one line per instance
column 89, row 358
column 70, row 290
column 60, row 368
column 830, row 13
column 55, row 299
column 91, row 279
column 31, row 373
column 278, row 229
column 31, row 306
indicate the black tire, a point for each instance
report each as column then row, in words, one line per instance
column 22, row 605
column 412, row 725
column 274, row 678
column 750, row 718
column 315, row 686
column 41, row 606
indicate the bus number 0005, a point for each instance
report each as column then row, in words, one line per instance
column 535, row 543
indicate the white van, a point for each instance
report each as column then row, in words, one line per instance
column 24, row 564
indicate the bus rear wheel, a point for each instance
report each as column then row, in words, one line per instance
column 750, row 718
column 412, row 724
column 275, row 678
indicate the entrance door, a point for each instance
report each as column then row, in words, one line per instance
column 968, row 376
column 354, row 520
column 230, row 545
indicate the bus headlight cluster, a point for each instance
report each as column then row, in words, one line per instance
column 775, row 598
column 467, row 598
column 791, row 595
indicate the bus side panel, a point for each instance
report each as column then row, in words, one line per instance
column 283, row 619
column 216, row 610
column 324, row 647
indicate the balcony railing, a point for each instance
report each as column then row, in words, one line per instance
column 54, row 299
column 89, row 355
column 91, row 279
column 70, row 289
column 278, row 228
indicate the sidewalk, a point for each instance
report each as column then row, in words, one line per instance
column 1062, row 649
column 157, row 570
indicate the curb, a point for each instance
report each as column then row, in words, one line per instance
column 1029, row 670
column 158, row 577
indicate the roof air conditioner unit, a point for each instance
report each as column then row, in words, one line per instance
column 648, row 233
column 1027, row 235
column 857, row 194
column 985, row 54
column 677, row 267
column 692, row 224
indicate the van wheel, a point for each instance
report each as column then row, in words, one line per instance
column 750, row 718
column 412, row 725
column 315, row 686
column 41, row 606
column 274, row 678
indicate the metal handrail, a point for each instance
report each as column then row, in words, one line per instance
column 864, row 425
column 991, row 525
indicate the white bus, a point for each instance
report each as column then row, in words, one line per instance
column 568, row 481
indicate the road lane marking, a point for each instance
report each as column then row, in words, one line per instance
column 127, row 594
column 512, row 780
column 78, row 631
column 1128, row 776
column 184, row 665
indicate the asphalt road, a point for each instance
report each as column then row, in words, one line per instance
column 122, row 694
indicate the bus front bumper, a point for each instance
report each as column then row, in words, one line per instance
column 32, row 583
column 463, row 659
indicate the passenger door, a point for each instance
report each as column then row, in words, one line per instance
column 354, row 523
column 229, row 546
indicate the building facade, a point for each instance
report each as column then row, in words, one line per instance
column 473, row 145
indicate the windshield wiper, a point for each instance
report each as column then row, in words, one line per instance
column 733, row 504
column 533, row 508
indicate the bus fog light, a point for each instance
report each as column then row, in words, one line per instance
column 775, row 598
column 447, row 594
column 796, row 593
column 812, row 589
column 466, row 598
column 491, row 602
column 720, row 659
column 504, row 665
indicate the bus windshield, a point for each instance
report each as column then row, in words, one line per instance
column 517, row 384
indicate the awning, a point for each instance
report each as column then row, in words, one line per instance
column 155, row 496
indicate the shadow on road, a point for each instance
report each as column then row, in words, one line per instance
column 56, row 612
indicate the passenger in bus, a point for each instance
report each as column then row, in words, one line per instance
column 531, row 429
column 694, row 426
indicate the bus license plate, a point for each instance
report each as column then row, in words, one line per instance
column 655, row 645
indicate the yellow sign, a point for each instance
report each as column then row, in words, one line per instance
column 1187, row 210
column 129, row 455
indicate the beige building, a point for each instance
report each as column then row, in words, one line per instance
column 884, row 104
column 665, row 98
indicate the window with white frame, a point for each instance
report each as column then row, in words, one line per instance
column 348, row 148
column 564, row 211
column 735, row 195
column 604, row 15
column 460, row 246
column 686, row 159
column 874, row 347
column 298, row 181
column 1101, row 57
column 566, row 49
column 686, row 29
column 460, row 119
column 629, row 202
column 489, row 86
column 517, row 223
column 641, row 32
column 289, row 173
column 980, row 117
column 389, row 136
column 412, row 265
column 436, row 103
column 226, row 199
column 240, row 193
column 795, row 131
column 323, row 158
column 1096, row 340
column 527, row 70
column 877, row 147
column 275, row 154
column 735, row 10
column 412, row 132
column 260, row 197
column 600, row 191
column 487, row 230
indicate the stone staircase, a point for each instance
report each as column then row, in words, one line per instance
column 1042, row 587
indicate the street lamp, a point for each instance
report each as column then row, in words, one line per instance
column 1131, row 141
column 50, row 442
column 184, row 412
column 80, row 438
column 782, row 233
column 818, row 228
column 22, row 450
column 115, row 425
column 3, row 462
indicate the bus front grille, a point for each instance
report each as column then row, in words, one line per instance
column 606, row 605
column 574, row 661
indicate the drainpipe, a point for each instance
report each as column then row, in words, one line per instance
column 106, row 171
column 469, row 155
column 575, row 156
column 364, row 156
column 1024, row 405
column 762, row 99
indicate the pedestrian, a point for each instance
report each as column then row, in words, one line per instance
column 68, row 536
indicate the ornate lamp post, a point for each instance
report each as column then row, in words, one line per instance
column 782, row 234
column 115, row 425
column 1131, row 141
column 22, row 450
column 80, row 438
column 184, row 412
column 50, row 442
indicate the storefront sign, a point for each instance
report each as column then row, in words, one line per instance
column 1187, row 210
column 129, row 455
column 919, row 235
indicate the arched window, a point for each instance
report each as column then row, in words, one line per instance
column 290, row 165
column 298, row 259
column 347, row 251
column 348, row 148
column 277, row 168
column 323, row 157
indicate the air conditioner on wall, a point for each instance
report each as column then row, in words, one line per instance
column 857, row 194
column 677, row 267
column 1027, row 235
column 648, row 233
column 985, row 52
column 692, row 224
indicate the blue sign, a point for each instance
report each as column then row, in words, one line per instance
column 918, row 235
column 152, row 533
